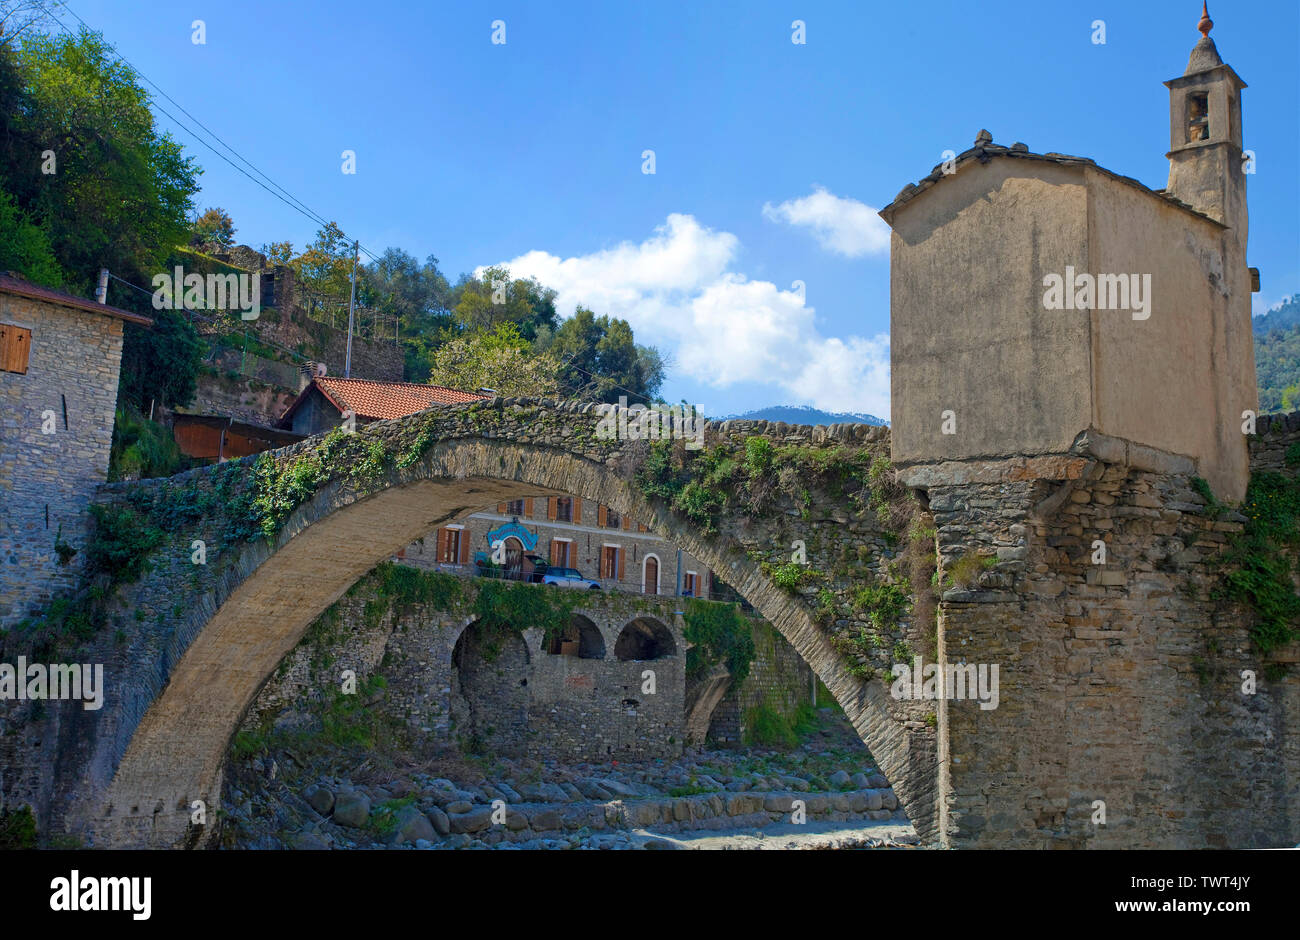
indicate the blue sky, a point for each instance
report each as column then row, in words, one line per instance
column 770, row 157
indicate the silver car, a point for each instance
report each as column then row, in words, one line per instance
column 569, row 577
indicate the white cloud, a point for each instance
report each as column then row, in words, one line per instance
column 843, row 226
column 678, row 291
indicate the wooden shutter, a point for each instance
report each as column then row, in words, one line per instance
column 601, row 520
column 577, row 510
column 621, row 554
column 15, row 344
column 464, row 546
column 502, row 507
column 627, row 522
column 528, row 508
column 550, row 508
column 443, row 536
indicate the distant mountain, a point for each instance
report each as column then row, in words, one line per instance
column 1279, row 318
column 803, row 414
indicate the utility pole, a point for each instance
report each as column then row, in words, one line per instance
column 356, row 255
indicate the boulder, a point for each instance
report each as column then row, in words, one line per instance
column 438, row 819
column 413, row 825
column 319, row 798
column 351, row 809
column 475, row 820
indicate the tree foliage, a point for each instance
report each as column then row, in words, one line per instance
column 499, row 359
column 601, row 359
column 120, row 192
column 213, row 231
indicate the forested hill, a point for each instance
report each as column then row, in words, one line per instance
column 1277, row 357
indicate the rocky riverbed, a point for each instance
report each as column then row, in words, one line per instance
column 825, row 793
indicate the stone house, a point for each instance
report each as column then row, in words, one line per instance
column 59, row 362
column 1104, row 316
column 566, row 532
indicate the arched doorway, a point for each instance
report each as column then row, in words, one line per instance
column 514, row 559
column 650, row 575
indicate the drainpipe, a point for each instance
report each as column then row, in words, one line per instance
column 679, row 572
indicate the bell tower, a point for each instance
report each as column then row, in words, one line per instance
column 1205, row 159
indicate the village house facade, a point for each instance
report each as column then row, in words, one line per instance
column 59, row 361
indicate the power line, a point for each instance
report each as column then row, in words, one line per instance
column 292, row 201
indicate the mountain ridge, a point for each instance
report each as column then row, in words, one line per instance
column 806, row 414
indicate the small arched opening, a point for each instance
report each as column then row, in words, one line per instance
column 581, row 638
column 645, row 638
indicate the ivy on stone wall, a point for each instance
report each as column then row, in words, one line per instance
column 1259, row 570
column 720, row 634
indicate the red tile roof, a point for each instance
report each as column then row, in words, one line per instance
column 383, row 400
column 9, row 284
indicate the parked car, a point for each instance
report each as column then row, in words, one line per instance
column 570, row 578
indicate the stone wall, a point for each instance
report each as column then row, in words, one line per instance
column 47, row 480
column 1121, row 680
column 284, row 323
column 446, row 682
column 778, row 679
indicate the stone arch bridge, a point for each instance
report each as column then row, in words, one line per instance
column 1100, row 697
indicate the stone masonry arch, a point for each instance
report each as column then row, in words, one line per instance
column 172, row 739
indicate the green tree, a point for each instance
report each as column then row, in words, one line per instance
column 324, row 269
column 418, row 296
column 213, row 231
column 499, row 359
column 601, row 359
column 160, row 364
column 120, row 192
column 24, row 247
column 481, row 303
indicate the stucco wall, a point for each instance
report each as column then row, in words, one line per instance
column 968, row 332
column 1180, row 379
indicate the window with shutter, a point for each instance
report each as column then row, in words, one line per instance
column 15, row 345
